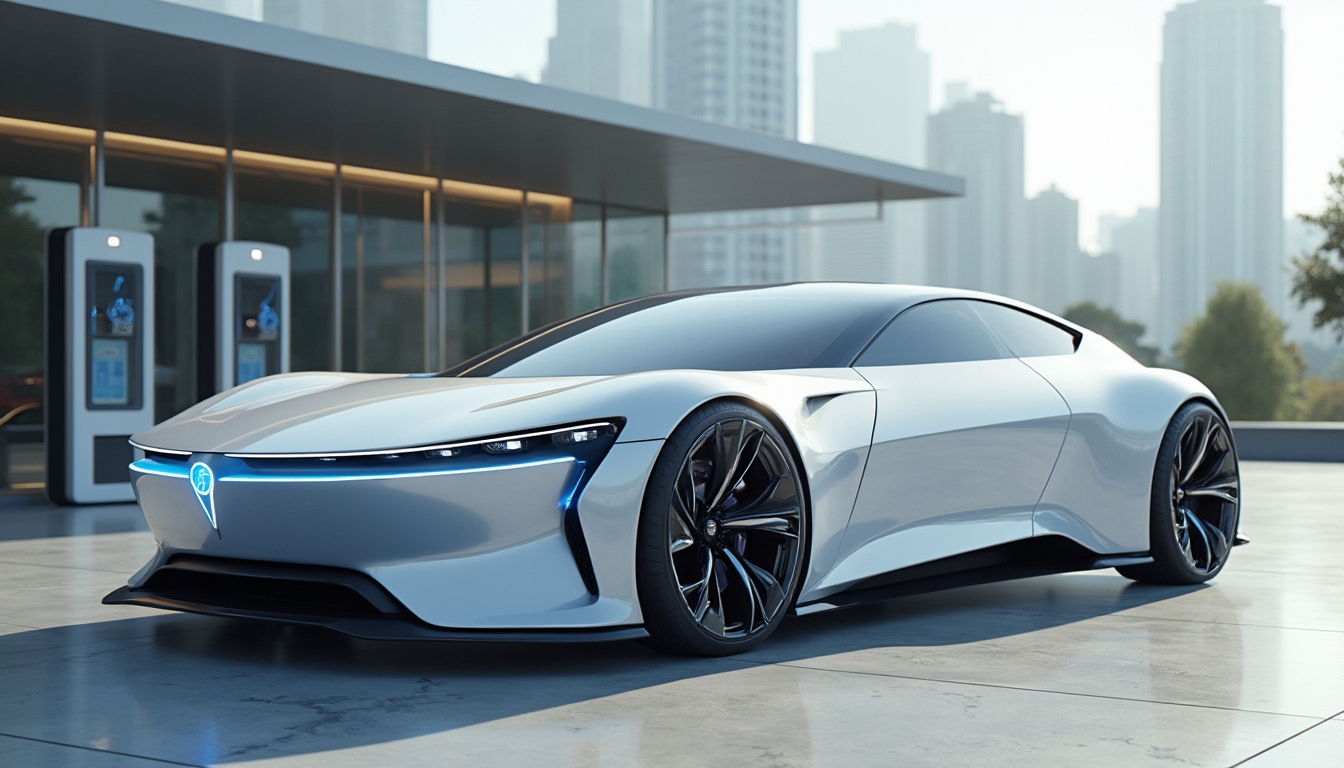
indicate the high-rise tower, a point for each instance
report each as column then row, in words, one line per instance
column 872, row 98
column 1221, row 215
column 733, row 62
column 601, row 47
column 728, row 61
column 979, row 241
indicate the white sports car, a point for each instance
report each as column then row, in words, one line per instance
column 689, row 468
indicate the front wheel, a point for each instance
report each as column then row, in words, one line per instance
column 721, row 534
column 1196, row 500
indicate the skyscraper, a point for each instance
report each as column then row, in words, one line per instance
column 1221, row 214
column 601, row 47
column 872, row 98
column 978, row 241
column 733, row 62
column 1134, row 240
column 397, row 25
column 728, row 61
column 1055, row 273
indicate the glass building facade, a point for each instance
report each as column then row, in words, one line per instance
column 392, row 273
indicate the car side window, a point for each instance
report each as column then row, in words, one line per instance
column 944, row 331
column 1025, row 334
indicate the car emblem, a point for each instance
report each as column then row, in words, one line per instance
column 203, row 483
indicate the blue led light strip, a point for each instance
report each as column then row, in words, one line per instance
column 148, row 467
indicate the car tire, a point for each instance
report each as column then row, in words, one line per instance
column 1194, row 510
column 722, row 535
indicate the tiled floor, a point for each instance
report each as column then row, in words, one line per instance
column 1080, row 669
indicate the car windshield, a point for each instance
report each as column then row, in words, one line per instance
column 739, row 330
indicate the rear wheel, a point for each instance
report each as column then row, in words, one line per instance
column 721, row 534
column 1196, row 500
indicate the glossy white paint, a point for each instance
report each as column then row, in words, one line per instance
column 1099, row 493
column 469, row 549
column 609, row 513
column 961, row 453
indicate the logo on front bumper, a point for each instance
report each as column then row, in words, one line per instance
column 203, row 483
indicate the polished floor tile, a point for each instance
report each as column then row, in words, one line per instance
column 1075, row 669
column 1320, row 747
column 36, row 754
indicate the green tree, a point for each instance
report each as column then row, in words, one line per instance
column 1324, row 399
column 1237, row 349
column 1107, row 322
column 20, row 282
column 1319, row 276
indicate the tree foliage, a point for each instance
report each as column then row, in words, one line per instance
column 1107, row 322
column 20, row 282
column 1237, row 349
column 1319, row 276
column 1323, row 399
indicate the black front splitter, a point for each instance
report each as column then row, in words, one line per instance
column 379, row 627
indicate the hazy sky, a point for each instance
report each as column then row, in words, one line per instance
column 1083, row 73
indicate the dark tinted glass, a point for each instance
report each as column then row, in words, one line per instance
column 1026, row 335
column 743, row 330
column 936, row 332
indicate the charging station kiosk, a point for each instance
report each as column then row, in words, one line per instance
column 99, row 383
column 242, row 314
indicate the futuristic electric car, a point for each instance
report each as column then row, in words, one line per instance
column 690, row 468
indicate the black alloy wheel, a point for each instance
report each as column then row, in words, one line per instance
column 722, row 534
column 1196, row 500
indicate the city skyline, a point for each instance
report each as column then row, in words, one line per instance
column 1110, row 90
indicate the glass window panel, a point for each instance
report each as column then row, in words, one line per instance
column 503, row 275
column 39, row 190
column 466, row 233
column 389, row 280
column 937, row 332
column 1026, row 335
column 294, row 212
column 565, row 271
column 584, row 238
column 634, row 253
column 177, row 203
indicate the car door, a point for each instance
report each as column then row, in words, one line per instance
column 965, row 439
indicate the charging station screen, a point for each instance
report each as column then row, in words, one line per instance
column 112, row 357
column 257, row 333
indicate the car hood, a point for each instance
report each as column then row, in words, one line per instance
column 340, row 412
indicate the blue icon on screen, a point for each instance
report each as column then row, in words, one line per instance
column 268, row 320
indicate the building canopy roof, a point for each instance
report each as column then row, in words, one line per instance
column 163, row 70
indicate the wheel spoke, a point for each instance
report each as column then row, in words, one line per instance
column 779, row 525
column 1193, row 521
column 754, row 601
column 728, row 458
column 1205, row 434
column 711, row 618
column 783, row 510
column 1215, row 542
column 767, row 583
column 683, row 516
column 1219, row 493
column 701, row 590
column 742, row 463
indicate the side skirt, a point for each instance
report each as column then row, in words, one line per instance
column 1024, row 559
